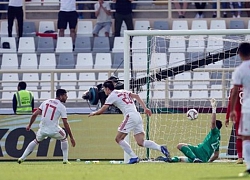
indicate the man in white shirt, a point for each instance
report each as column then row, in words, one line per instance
column 124, row 100
column 242, row 78
column 15, row 10
column 103, row 14
column 51, row 111
column 67, row 15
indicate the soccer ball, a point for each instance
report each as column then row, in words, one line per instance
column 192, row 114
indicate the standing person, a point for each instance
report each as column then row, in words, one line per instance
column 123, row 100
column 236, row 123
column 23, row 100
column 123, row 13
column 103, row 14
column 15, row 10
column 51, row 111
column 208, row 150
column 181, row 6
column 242, row 78
column 200, row 6
column 67, row 15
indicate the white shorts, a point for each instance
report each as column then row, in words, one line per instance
column 132, row 122
column 59, row 134
column 244, row 126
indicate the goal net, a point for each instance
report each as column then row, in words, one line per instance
column 174, row 71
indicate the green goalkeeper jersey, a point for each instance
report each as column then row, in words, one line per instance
column 211, row 143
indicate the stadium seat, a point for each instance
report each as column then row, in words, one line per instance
column 182, row 79
column 159, row 60
column 232, row 62
column 199, row 92
column 89, row 79
column 29, row 61
column 102, row 76
column 124, row 27
column 45, row 93
column 7, row 94
column 201, row 78
column 71, row 93
column 176, row 59
column 10, row 80
column 159, row 44
column 46, row 80
column 47, row 61
column 4, row 29
column 118, row 45
column 236, row 24
column 215, row 44
column 26, row 45
column 83, row 45
column 70, row 78
column 85, row 28
column 64, row 44
column 84, row 61
column 179, row 25
column 196, row 44
column 215, row 65
column 34, row 91
column 161, row 25
column 118, row 61
column 139, row 44
column 66, row 61
column 101, row 45
column 103, row 61
column 46, row 26
column 51, row 2
column 199, row 25
column 45, row 44
column 141, row 25
column 159, row 90
column 181, row 92
column 177, row 44
column 218, row 24
column 12, row 42
column 29, row 29
column 31, row 77
column 9, row 61
column 143, row 93
column 139, row 61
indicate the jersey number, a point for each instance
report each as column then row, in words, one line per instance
column 125, row 98
column 53, row 111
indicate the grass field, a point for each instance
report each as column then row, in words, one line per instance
column 104, row 171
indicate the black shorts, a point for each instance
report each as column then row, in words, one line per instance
column 67, row 17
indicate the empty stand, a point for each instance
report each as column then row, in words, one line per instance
column 118, row 44
column 83, row 44
column 161, row 25
column 26, row 45
column 103, row 61
column 216, row 91
column 201, row 78
column 103, row 76
column 87, row 80
column 46, row 26
column 64, row 44
column 9, row 61
column 179, row 25
column 45, row 93
column 47, row 61
column 199, row 24
column 101, row 45
column 7, row 94
column 45, row 44
column 69, row 78
column 217, row 24
column 196, row 44
column 159, row 91
column 159, row 44
column 181, row 92
column 177, row 44
column 199, row 92
column 84, row 28
column 143, row 94
column 34, row 77
column 118, row 60
column 141, row 25
column 176, row 59
column 29, row 28
column 10, row 80
column 46, row 80
column 215, row 44
column 4, row 29
column 66, row 61
column 236, row 24
column 139, row 61
column 215, row 65
column 12, row 43
column 84, row 61
column 29, row 61
column 139, row 44
column 159, row 60
column 182, row 79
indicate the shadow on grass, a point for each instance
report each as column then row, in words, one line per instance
column 226, row 177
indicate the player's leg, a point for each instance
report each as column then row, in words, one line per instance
column 39, row 137
column 62, row 23
column 238, row 142
column 187, row 150
column 72, row 20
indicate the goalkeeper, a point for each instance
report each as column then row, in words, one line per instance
column 208, row 150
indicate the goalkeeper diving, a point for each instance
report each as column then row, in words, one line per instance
column 208, row 150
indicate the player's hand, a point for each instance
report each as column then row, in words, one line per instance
column 148, row 112
column 227, row 122
column 91, row 114
column 28, row 128
column 73, row 143
column 213, row 103
column 233, row 116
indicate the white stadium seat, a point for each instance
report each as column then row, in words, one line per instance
column 46, row 26
column 84, row 61
column 26, row 45
column 4, row 29
column 9, row 61
column 103, row 61
column 29, row 61
column 47, row 61
column 12, row 42
column 201, row 92
column 64, row 44
column 180, row 25
column 84, row 28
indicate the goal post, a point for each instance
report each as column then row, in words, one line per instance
column 205, row 53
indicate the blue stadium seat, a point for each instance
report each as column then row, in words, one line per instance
column 83, row 44
column 161, row 25
column 45, row 44
column 236, row 24
column 118, row 60
column 29, row 29
column 101, row 45
column 66, row 61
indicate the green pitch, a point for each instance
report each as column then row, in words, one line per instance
column 105, row 171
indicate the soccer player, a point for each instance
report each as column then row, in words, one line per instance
column 51, row 111
column 208, row 150
column 242, row 78
column 236, row 123
column 124, row 100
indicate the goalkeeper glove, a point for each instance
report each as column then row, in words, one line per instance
column 213, row 104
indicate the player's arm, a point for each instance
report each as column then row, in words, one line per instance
column 213, row 118
column 233, row 102
column 100, row 111
column 228, row 110
column 68, row 129
column 14, row 103
column 214, row 157
column 33, row 118
column 138, row 99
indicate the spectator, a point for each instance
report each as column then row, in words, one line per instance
column 3, row 7
column 247, row 5
column 224, row 5
column 15, row 10
column 81, row 6
column 23, row 100
column 123, row 13
column 181, row 6
column 103, row 14
column 236, row 5
column 67, row 14
column 200, row 5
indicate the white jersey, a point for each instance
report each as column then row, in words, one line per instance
column 122, row 100
column 242, row 77
column 68, row 5
column 52, row 111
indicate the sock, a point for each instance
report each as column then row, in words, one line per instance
column 126, row 147
column 246, row 152
column 151, row 145
column 29, row 149
column 175, row 159
column 65, row 147
column 239, row 147
column 187, row 152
